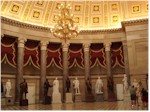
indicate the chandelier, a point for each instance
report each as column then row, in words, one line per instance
column 65, row 27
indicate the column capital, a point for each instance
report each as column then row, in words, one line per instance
column 44, row 45
column 107, row 46
column 65, row 46
column 21, row 42
column 86, row 46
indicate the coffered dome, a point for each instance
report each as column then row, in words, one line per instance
column 87, row 14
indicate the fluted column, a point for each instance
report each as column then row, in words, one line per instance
column 43, row 69
column 108, row 58
column 126, row 60
column 65, row 67
column 20, row 57
column 86, row 60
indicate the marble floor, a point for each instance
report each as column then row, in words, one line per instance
column 119, row 105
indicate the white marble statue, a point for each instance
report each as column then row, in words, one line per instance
column 125, row 83
column 8, row 88
column 76, row 86
column 98, row 86
column 56, row 86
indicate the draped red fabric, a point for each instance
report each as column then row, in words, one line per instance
column 97, row 55
column 54, row 55
column 9, row 50
column 32, row 53
column 76, row 56
column 117, row 56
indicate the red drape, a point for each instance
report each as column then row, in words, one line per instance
column 32, row 53
column 9, row 50
column 76, row 56
column 97, row 55
column 117, row 57
column 54, row 55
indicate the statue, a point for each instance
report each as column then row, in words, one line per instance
column 98, row 86
column 46, row 86
column 68, row 84
column 8, row 88
column 110, row 84
column 2, row 88
column 56, row 86
column 125, row 84
column 89, row 86
column 76, row 86
column 23, row 90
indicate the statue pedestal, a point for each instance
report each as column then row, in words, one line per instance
column 56, row 98
column 99, row 97
column 3, row 101
column 77, row 98
column 47, row 100
column 111, row 97
column 68, row 98
column 89, row 97
column 9, row 101
column 24, row 102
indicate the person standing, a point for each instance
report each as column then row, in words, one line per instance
column 46, row 87
column 133, row 95
column 89, row 86
column 144, row 97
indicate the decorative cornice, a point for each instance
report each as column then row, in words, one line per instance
column 24, row 25
column 46, row 29
column 134, row 22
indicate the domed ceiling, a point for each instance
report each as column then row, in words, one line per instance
column 87, row 14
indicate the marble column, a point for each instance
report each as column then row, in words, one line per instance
column 108, row 58
column 110, row 81
column 20, row 61
column 126, row 61
column 86, row 60
column 43, row 69
column 65, row 67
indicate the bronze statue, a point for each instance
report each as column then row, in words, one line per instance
column 110, row 84
column 89, row 86
column 46, row 86
column 67, row 84
column 23, row 89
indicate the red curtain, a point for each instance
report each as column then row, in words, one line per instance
column 117, row 56
column 54, row 55
column 9, row 50
column 32, row 53
column 97, row 55
column 76, row 56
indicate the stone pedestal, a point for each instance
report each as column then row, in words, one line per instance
column 56, row 98
column 3, row 101
column 89, row 98
column 111, row 97
column 9, row 101
column 24, row 102
column 99, row 97
column 77, row 98
column 48, row 100
column 68, row 98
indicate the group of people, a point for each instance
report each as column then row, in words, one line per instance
column 136, row 90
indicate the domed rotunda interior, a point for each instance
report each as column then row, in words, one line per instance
column 74, row 55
